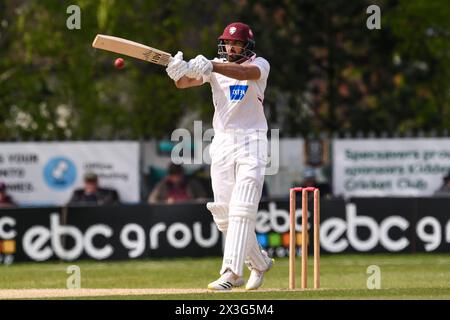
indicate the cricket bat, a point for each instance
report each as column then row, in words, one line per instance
column 131, row 49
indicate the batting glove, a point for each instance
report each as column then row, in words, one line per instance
column 199, row 67
column 177, row 67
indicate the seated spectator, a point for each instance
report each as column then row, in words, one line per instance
column 6, row 200
column 444, row 190
column 176, row 187
column 92, row 194
column 202, row 176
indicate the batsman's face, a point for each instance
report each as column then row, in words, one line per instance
column 234, row 49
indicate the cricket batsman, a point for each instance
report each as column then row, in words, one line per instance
column 238, row 151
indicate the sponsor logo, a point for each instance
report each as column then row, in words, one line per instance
column 339, row 235
column 238, row 92
column 41, row 243
column 7, row 240
column 60, row 173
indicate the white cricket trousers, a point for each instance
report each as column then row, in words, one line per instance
column 238, row 161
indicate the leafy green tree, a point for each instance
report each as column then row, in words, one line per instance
column 328, row 71
column 331, row 73
column 422, row 52
column 56, row 86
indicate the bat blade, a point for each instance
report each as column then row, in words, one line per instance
column 131, row 49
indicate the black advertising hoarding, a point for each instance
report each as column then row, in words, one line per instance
column 361, row 225
column 143, row 231
column 433, row 225
column 406, row 224
column 25, row 234
column 272, row 225
column 113, row 233
column 371, row 225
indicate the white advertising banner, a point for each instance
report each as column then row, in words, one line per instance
column 389, row 167
column 47, row 173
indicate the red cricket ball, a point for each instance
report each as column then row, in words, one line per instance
column 119, row 63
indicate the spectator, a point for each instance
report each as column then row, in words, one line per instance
column 92, row 194
column 444, row 190
column 6, row 201
column 202, row 176
column 176, row 187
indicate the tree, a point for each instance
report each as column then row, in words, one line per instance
column 56, row 86
column 330, row 73
column 422, row 33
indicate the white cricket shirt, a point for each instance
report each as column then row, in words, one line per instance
column 239, row 104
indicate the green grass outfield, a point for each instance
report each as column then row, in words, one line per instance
column 424, row 276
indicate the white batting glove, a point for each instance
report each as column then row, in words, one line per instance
column 199, row 67
column 177, row 67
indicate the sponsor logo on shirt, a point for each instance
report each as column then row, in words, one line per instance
column 237, row 93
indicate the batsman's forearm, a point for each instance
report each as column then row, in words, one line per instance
column 185, row 82
column 231, row 70
column 182, row 83
column 237, row 71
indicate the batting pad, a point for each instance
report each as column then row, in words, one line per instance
column 219, row 211
column 239, row 230
column 246, row 193
column 255, row 258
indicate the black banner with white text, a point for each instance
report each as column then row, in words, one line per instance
column 360, row 225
